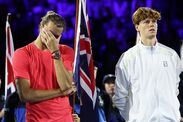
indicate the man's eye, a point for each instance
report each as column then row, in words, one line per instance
column 154, row 21
column 146, row 21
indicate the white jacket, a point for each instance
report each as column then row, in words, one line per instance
column 147, row 79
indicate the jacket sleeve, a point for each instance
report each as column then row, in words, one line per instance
column 120, row 98
column 179, row 69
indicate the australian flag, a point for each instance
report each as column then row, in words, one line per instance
column 83, row 66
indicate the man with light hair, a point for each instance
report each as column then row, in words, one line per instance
column 43, row 73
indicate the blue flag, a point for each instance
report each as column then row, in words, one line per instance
column 84, row 67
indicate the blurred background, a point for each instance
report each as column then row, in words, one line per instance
column 112, row 30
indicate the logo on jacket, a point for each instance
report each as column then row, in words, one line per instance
column 165, row 63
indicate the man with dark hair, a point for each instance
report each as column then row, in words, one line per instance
column 147, row 75
column 43, row 73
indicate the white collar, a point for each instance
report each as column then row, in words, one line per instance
column 148, row 48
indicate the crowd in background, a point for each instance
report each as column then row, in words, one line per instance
column 111, row 27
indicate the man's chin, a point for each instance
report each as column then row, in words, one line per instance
column 152, row 36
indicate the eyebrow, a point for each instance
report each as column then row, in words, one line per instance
column 56, row 36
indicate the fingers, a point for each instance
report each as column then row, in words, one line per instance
column 76, row 118
column 48, row 35
column 43, row 35
column 70, row 91
column 74, row 115
column 73, row 90
column 43, row 38
column 48, row 38
column 73, row 86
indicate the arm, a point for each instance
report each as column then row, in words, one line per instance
column 64, row 78
column 179, row 69
column 21, row 73
column 120, row 98
column 28, row 94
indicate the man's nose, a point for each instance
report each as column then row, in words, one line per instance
column 152, row 24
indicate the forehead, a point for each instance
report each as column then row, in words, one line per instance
column 109, row 83
column 148, row 19
column 54, row 28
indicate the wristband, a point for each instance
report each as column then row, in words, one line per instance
column 55, row 51
column 56, row 54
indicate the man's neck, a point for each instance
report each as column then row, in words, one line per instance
column 39, row 44
column 149, row 42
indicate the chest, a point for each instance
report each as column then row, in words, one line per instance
column 148, row 69
column 41, row 61
column 153, row 63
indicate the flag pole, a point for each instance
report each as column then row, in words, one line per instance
column 76, row 24
column 6, row 72
column 75, row 38
column 8, row 17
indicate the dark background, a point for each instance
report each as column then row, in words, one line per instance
column 112, row 30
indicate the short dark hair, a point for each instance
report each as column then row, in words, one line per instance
column 109, row 78
column 53, row 17
column 143, row 13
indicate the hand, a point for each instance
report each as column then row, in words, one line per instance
column 70, row 90
column 49, row 40
column 76, row 118
column 2, row 112
column 181, row 119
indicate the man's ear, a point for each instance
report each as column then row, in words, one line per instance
column 40, row 28
column 137, row 28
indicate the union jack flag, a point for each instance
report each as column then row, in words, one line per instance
column 9, row 76
column 83, row 65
